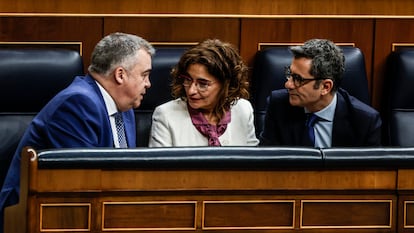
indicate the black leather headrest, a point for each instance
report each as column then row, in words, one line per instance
column 269, row 74
column 177, row 158
column 402, row 80
column 164, row 60
column 355, row 76
column 400, row 105
column 160, row 92
column 29, row 78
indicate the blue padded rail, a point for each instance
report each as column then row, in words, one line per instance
column 250, row 158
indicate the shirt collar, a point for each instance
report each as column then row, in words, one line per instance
column 328, row 112
column 109, row 102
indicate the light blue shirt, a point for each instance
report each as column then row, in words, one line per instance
column 323, row 127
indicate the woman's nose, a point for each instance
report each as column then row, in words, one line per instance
column 192, row 88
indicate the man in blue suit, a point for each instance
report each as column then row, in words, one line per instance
column 83, row 114
column 313, row 92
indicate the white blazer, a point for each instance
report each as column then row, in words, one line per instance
column 172, row 126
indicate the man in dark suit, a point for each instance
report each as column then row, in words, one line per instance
column 88, row 111
column 313, row 110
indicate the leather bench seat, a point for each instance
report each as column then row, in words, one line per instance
column 29, row 78
column 399, row 113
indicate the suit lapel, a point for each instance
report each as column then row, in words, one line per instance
column 298, row 130
column 342, row 133
column 129, row 122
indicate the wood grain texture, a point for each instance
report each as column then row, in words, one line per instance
column 245, row 7
column 141, row 200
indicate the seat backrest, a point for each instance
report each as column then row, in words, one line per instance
column 29, row 78
column 160, row 92
column 400, row 112
column 268, row 75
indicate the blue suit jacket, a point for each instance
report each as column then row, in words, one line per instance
column 355, row 123
column 75, row 117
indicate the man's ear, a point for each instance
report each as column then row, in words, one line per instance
column 327, row 85
column 119, row 74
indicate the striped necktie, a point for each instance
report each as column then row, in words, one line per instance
column 120, row 129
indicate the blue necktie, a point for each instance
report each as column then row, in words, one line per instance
column 120, row 129
column 310, row 122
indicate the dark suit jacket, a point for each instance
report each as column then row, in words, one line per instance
column 355, row 123
column 75, row 117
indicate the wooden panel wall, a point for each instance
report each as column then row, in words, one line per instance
column 248, row 7
column 177, row 30
column 373, row 26
column 51, row 31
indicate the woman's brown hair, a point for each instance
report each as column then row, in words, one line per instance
column 222, row 61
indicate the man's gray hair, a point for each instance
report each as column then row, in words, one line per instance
column 328, row 60
column 117, row 49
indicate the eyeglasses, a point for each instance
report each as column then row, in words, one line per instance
column 201, row 84
column 298, row 80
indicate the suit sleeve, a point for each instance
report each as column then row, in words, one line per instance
column 374, row 130
column 268, row 135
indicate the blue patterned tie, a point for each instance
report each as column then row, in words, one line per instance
column 119, row 123
column 310, row 122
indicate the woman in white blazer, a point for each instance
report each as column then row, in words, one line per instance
column 210, row 84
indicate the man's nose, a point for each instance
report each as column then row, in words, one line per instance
column 148, row 83
column 289, row 84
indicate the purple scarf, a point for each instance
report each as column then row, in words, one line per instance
column 212, row 132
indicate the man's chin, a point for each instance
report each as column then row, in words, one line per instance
column 136, row 105
column 293, row 101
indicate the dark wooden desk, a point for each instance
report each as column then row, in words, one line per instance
column 216, row 200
